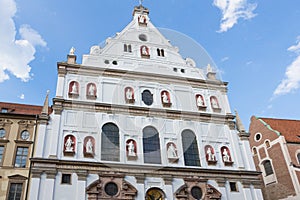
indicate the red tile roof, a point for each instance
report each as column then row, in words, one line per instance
column 290, row 129
column 15, row 108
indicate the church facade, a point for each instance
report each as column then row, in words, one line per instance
column 135, row 120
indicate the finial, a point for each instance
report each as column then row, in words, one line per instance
column 239, row 125
column 72, row 51
column 141, row 2
column 209, row 69
column 46, row 105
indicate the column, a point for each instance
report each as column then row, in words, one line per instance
column 140, row 180
column 47, row 191
column 81, row 184
column 168, row 186
column 34, row 187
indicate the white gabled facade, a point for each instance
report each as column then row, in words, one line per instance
column 137, row 121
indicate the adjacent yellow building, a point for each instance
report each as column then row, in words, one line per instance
column 18, row 127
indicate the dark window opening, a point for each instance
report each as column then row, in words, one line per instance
column 15, row 191
column 268, row 167
column 66, row 179
column 233, row 187
column 151, row 146
column 190, row 148
column 110, row 147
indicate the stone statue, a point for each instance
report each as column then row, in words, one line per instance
column 69, row 144
column 226, row 157
column 89, row 146
column 210, row 155
column 145, row 50
column 129, row 95
column 72, row 51
column 92, row 91
column 74, row 88
column 165, row 98
column 131, row 149
column 214, row 102
column 172, row 151
column 142, row 19
column 200, row 101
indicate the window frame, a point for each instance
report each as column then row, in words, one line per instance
column 16, row 154
column 233, row 186
column 62, row 178
column 11, row 182
column 114, row 152
column 190, row 158
column 3, row 153
column 268, row 167
column 151, row 154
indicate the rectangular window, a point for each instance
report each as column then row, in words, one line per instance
column 66, row 179
column 15, row 191
column 21, row 157
column 4, row 110
column 1, row 154
column 233, row 187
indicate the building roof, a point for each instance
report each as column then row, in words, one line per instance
column 288, row 128
column 24, row 109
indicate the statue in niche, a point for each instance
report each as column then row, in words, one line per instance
column 200, row 101
column 74, row 88
column 210, row 155
column 172, row 151
column 89, row 146
column 145, row 51
column 69, row 145
column 165, row 98
column 142, row 19
column 129, row 94
column 131, row 148
column 214, row 102
column 92, row 90
column 226, row 156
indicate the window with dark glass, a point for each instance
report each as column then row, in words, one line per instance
column 21, row 157
column 268, row 167
column 196, row 192
column 298, row 157
column 110, row 144
column 190, row 148
column 147, row 97
column 127, row 48
column 66, row 179
column 233, row 187
column 111, row 189
column 15, row 191
column 1, row 153
column 151, row 145
column 2, row 133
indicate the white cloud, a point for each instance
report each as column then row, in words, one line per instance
column 232, row 11
column 291, row 82
column 224, row 59
column 22, row 96
column 16, row 54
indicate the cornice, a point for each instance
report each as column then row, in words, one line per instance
column 142, row 171
column 64, row 68
column 61, row 104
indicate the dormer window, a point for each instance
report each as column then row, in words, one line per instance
column 127, row 48
column 4, row 110
column 161, row 52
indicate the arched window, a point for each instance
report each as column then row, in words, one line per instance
column 151, row 145
column 158, row 52
column 110, row 144
column 190, row 148
column 268, row 167
column 298, row 158
column 162, row 53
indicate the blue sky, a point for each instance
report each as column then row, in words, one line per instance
column 254, row 44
